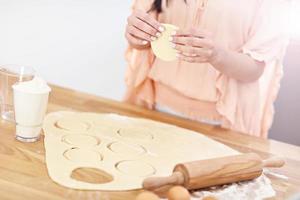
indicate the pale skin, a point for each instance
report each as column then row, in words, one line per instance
column 194, row 46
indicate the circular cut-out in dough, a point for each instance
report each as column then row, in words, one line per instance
column 135, row 133
column 162, row 46
column 82, row 155
column 72, row 125
column 126, row 149
column 135, row 168
column 91, row 175
column 81, row 140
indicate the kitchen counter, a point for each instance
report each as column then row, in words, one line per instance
column 23, row 172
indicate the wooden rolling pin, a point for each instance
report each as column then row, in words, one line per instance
column 213, row 172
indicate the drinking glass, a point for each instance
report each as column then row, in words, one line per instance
column 9, row 75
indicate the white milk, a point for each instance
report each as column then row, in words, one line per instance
column 30, row 105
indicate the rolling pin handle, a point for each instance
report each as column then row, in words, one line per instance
column 152, row 183
column 274, row 162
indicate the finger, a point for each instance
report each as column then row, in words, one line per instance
column 135, row 40
column 192, row 41
column 192, row 32
column 194, row 50
column 149, row 20
column 187, row 54
column 140, row 34
column 141, row 25
column 193, row 59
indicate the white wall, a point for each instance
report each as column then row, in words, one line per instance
column 286, row 123
column 74, row 43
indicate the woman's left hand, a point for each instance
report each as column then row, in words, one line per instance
column 194, row 46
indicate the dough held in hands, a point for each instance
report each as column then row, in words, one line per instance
column 162, row 47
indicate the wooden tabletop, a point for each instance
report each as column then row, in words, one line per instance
column 23, row 173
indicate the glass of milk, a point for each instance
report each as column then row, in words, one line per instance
column 30, row 105
column 9, row 75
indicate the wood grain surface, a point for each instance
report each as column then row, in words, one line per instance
column 23, row 173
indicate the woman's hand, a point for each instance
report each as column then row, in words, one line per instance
column 142, row 29
column 198, row 47
column 194, row 46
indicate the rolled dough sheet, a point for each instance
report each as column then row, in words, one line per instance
column 162, row 46
column 128, row 149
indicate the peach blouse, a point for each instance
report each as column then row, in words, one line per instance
column 198, row 90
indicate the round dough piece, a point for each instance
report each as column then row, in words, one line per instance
column 74, row 125
column 81, row 140
column 126, row 149
column 162, row 46
column 135, row 168
column 82, row 155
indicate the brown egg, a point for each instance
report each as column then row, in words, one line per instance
column 210, row 198
column 147, row 196
column 178, row 193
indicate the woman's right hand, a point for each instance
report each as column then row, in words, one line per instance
column 142, row 29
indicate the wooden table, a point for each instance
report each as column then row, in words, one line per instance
column 23, row 173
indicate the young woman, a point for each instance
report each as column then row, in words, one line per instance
column 229, row 60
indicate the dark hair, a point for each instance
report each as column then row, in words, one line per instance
column 157, row 5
